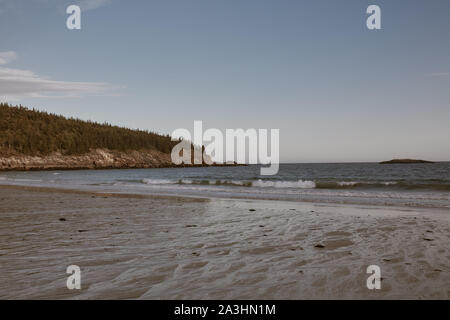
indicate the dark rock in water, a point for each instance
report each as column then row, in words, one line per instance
column 82, row 230
column 320, row 246
column 404, row 161
column 191, row 226
column 62, row 219
column 428, row 239
column 252, row 210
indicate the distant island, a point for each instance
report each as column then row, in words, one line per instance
column 405, row 161
column 35, row 140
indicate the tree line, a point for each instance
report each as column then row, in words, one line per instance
column 33, row 132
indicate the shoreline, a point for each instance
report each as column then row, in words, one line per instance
column 149, row 166
column 167, row 195
column 441, row 212
column 99, row 193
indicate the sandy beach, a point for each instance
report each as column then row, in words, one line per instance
column 144, row 247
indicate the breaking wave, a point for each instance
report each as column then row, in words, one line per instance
column 300, row 184
column 303, row 184
column 158, row 181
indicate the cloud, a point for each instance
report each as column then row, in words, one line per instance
column 7, row 57
column 17, row 83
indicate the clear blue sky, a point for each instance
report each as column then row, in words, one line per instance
column 337, row 91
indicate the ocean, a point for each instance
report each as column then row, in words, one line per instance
column 406, row 185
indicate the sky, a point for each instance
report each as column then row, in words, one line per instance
column 337, row 91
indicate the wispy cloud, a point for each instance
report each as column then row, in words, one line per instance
column 17, row 83
column 7, row 57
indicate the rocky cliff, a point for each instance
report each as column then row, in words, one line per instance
column 96, row 159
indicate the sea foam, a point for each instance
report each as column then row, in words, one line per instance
column 300, row 184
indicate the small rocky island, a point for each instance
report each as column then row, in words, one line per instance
column 405, row 161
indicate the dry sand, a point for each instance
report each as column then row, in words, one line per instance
column 131, row 247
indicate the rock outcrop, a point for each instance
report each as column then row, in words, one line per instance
column 405, row 161
column 96, row 159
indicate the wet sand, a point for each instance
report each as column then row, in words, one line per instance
column 141, row 247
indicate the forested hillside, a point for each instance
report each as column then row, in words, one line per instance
column 31, row 132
